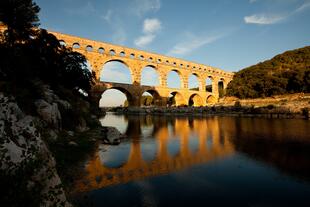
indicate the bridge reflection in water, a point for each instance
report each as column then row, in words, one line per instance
column 213, row 143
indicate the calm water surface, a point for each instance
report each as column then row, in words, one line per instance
column 214, row 161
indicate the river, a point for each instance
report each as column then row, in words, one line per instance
column 190, row 161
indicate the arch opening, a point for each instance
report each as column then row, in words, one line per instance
column 149, row 76
column 101, row 50
column 112, row 52
column 89, row 48
column 150, row 98
column 174, row 79
column 62, row 43
column 115, row 97
column 209, row 84
column 221, row 88
column 76, row 45
column 176, row 99
column 115, row 71
column 195, row 100
column 211, row 99
column 193, row 82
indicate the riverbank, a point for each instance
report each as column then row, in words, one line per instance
column 286, row 106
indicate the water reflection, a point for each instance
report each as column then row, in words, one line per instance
column 159, row 145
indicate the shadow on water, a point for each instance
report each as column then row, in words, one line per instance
column 284, row 144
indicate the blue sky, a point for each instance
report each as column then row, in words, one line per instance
column 229, row 34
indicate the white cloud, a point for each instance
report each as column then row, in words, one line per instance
column 144, row 40
column 150, row 29
column 151, row 25
column 263, row 19
column 141, row 7
column 193, row 43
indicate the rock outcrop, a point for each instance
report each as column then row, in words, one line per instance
column 21, row 145
column 112, row 136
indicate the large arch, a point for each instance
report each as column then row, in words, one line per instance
column 176, row 99
column 221, row 87
column 193, row 82
column 209, row 81
column 174, row 79
column 115, row 70
column 211, row 99
column 156, row 98
column 195, row 100
column 129, row 96
column 149, row 76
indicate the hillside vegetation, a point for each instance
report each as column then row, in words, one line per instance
column 286, row 73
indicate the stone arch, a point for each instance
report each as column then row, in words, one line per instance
column 221, row 87
column 211, row 99
column 116, row 60
column 101, row 50
column 195, row 100
column 112, row 52
column 89, row 48
column 177, row 99
column 122, row 54
column 171, row 78
column 128, row 94
column 209, row 82
column 194, row 81
column 149, row 76
column 76, row 45
column 157, row 100
column 62, row 43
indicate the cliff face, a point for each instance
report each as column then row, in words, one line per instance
column 24, row 153
column 42, row 135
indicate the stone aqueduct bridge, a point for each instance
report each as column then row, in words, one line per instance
column 98, row 175
column 100, row 53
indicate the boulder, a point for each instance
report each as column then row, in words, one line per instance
column 49, row 112
column 112, row 136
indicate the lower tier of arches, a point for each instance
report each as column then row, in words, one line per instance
column 160, row 96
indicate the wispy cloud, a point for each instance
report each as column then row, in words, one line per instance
column 141, row 7
column 107, row 16
column 150, row 29
column 304, row 6
column 273, row 18
column 252, row 1
column 192, row 43
column 119, row 34
column 263, row 19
